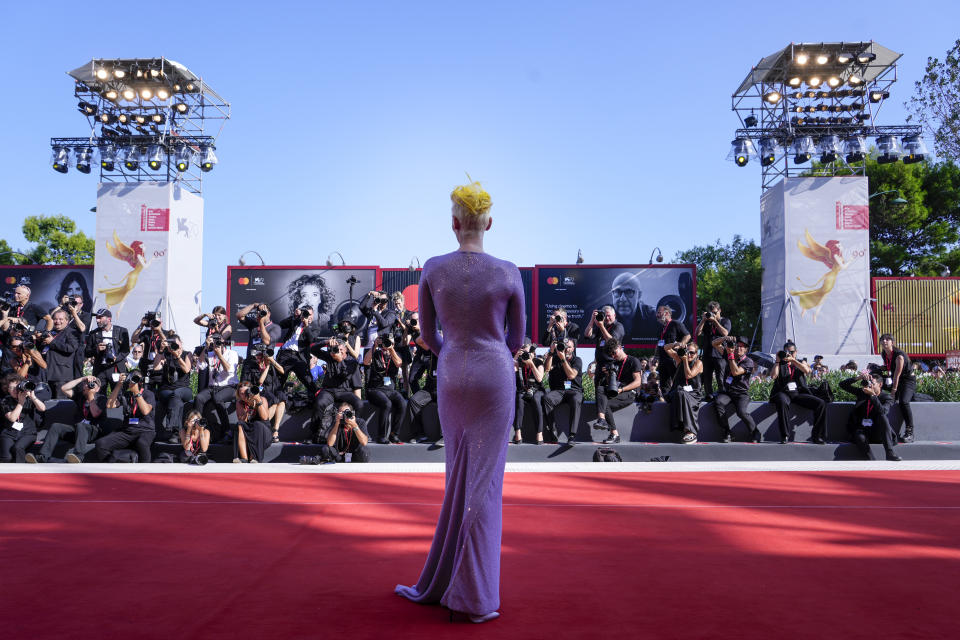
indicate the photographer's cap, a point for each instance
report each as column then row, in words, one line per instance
column 104, row 313
column 744, row 340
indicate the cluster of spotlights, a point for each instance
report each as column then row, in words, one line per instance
column 131, row 157
column 821, row 58
column 828, row 149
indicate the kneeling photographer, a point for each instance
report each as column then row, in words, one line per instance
column 529, row 377
column 384, row 364
column 20, row 413
column 252, row 436
column 737, row 387
column 220, row 363
column 685, row 392
column 789, row 377
column 621, row 378
column 565, row 377
column 868, row 420
column 137, row 429
column 337, row 383
column 195, row 438
column 347, row 434
column 89, row 411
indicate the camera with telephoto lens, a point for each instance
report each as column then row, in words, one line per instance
column 612, row 387
column 28, row 345
column 254, row 390
column 560, row 345
column 135, row 378
column 199, row 459
column 216, row 340
column 262, row 349
column 7, row 301
column 261, row 312
column 348, row 414
column 173, row 345
column 707, row 315
column 305, row 309
column 26, row 385
column 152, row 318
column 528, row 352
column 680, row 349
column 70, row 302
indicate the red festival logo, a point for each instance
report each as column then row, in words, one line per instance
column 852, row 216
column 154, row 219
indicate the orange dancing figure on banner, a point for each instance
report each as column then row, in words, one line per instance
column 830, row 255
column 132, row 255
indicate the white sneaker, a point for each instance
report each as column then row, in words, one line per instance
column 689, row 437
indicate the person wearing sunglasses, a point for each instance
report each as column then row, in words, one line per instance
column 790, row 390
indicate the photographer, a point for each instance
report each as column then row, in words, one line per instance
column 338, row 381
column 24, row 313
column 712, row 326
column 347, row 434
column 565, row 377
column 20, row 412
column 868, row 420
column 78, row 320
column 899, row 378
column 90, row 409
column 621, row 377
column 672, row 335
column 171, row 374
column 195, row 438
column 256, row 318
column 108, row 346
column 384, row 364
column 253, row 430
column 603, row 327
column 60, row 346
column 22, row 357
column 296, row 339
column 736, row 386
column 137, row 429
column 150, row 333
column 380, row 318
column 789, row 377
column 685, row 391
column 215, row 322
column 529, row 376
column 649, row 392
column 269, row 379
column 220, row 363
column 559, row 329
column 423, row 395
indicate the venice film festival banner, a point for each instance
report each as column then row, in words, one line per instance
column 149, row 254
column 48, row 284
column 816, row 265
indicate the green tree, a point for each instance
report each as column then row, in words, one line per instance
column 56, row 241
column 731, row 275
column 936, row 103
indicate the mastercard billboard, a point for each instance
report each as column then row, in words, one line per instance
column 922, row 314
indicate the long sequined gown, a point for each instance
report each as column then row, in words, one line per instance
column 473, row 297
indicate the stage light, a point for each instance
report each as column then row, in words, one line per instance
column 181, row 107
column 61, row 159
column 834, row 81
column 814, row 81
column 811, row 94
column 914, row 150
column 158, row 118
column 154, row 73
column 773, row 97
column 140, row 118
column 129, row 95
column 155, row 156
column 802, row 149
column 877, row 96
column 108, row 157
column 102, row 73
column 123, row 118
column 119, row 73
column 163, row 93
column 801, row 58
column 823, row 107
column 131, row 158
column 83, row 157
column 798, row 109
column 888, row 148
column 183, row 158
column 829, row 149
column 795, row 81
column 769, row 150
column 146, row 93
column 111, row 94
column 750, row 120
column 108, row 118
column 822, row 58
column 190, row 87
column 87, row 109
column 741, row 150
column 866, row 57
column 207, row 158
column 844, row 58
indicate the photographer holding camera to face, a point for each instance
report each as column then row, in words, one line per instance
column 77, row 322
column 252, row 436
column 20, row 413
column 565, row 377
column 108, row 346
column 220, row 363
column 195, row 438
column 22, row 312
column 294, row 354
column 375, row 306
column 89, row 411
column 137, row 403
column 603, row 327
column 425, row 366
column 384, row 362
column 268, row 375
column 215, row 322
column 672, row 335
column 256, row 318
column 685, row 392
column 559, row 329
column 337, row 384
column 621, row 378
column 171, row 375
column 736, row 387
column 529, row 377
column 868, row 420
column 59, row 346
column 712, row 326
column 151, row 335
column 22, row 357
column 347, row 434
column 789, row 376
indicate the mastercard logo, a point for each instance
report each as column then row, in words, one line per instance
column 553, row 280
column 244, row 280
column 11, row 280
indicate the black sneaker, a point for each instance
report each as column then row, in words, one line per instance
column 893, row 457
column 727, row 436
column 571, row 439
column 601, row 425
column 612, row 439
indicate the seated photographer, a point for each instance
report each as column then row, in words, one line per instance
column 736, row 391
column 425, row 365
column 672, row 333
column 90, row 409
column 559, row 329
column 195, row 438
column 20, row 413
column 620, row 378
column 529, row 377
column 256, row 318
column 337, row 384
column 347, row 434
column 59, row 347
column 296, row 338
column 171, row 374
column 565, row 377
column 215, row 322
column 712, row 326
column 383, row 363
column 602, row 328
column 649, row 392
column 789, row 377
column 219, row 362
column 22, row 357
column 868, row 420
column 138, row 428
column 685, row 393
column 253, row 424
column 108, row 346
column 899, row 378
column 270, row 380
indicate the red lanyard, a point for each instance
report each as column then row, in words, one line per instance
column 888, row 363
column 869, row 406
column 789, row 370
column 621, row 368
column 664, row 332
column 133, row 407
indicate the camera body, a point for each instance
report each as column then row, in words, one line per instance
column 781, row 355
column 386, row 341
column 153, row 318
column 262, row 349
column 28, row 345
column 26, row 385
column 69, row 301
column 599, row 315
column 90, row 384
column 729, row 342
column 680, row 349
column 135, row 378
column 348, row 414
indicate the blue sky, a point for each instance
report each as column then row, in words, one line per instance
column 601, row 126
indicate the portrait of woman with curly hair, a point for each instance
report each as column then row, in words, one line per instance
column 312, row 291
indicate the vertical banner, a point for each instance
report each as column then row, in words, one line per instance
column 825, row 289
column 149, row 246
column 773, row 298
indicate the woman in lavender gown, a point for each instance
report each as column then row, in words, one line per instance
column 478, row 301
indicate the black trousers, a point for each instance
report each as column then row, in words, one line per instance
column 13, row 444
column 326, row 398
column 534, row 402
column 905, row 393
column 85, row 432
column 684, row 407
column 783, row 402
column 390, row 406
column 292, row 361
column 714, row 371
column 668, row 371
column 553, row 399
column 105, row 375
column 213, row 401
column 737, row 402
column 170, row 405
column 607, row 406
column 141, row 441
column 415, row 406
column 357, row 454
column 880, row 430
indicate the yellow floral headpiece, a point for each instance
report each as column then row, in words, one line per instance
column 473, row 198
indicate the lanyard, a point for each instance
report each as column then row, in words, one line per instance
column 789, row 370
column 664, row 332
column 86, row 411
column 869, row 406
column 133, row 407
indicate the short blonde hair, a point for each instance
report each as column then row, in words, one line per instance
column 471, row 206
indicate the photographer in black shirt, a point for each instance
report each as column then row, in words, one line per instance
column 529, row 377
column 899, row 379
column 295, row 341
column 21, row 356
column 375, row 306
column 20, row 413
column 347, row 434
column 90, row 409
column 671, row 335
column 268, row 375
column 425, row 363
column 789, row 377
column 23, row 312
column 78, row 321
column 383, row 363
column 108, row 346
column 565, row 377
column 252, row 435
column 138, row 419
column 737, row 387
column 868, row 420
column 337, row 383
column 171, row 374
column 712, row 326
column 256, row 318
column 559, row 329
column 622, row 377
column 602, row 328
column 685, row 392
column 151, row 334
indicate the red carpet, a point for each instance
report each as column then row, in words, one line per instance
column 645, row 555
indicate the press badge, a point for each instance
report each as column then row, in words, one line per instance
column 688, row 387
column 661, row 343
column 115, row 377
column 133, row 421
column 867, row 422
column 888, row 382
column 386, row 381
column 791, row 386
column 17, row 426
column 151, row 356
column 567, row 384
column 729, row 380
